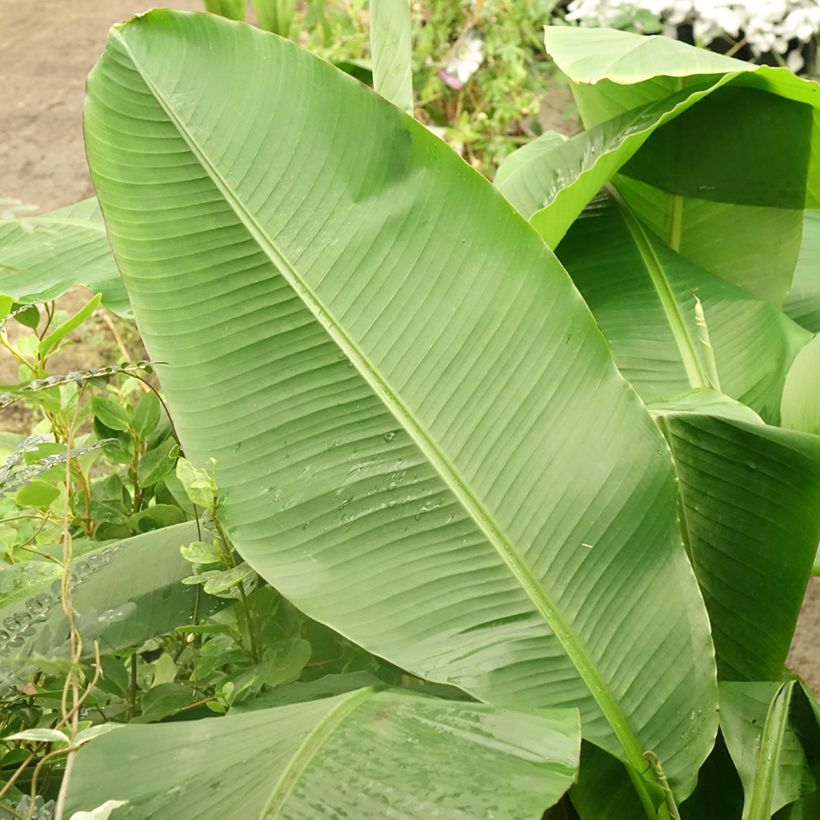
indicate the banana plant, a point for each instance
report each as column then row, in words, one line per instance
column 423, row 440
column 695, row 327
column 421, row 437
column 662, row 114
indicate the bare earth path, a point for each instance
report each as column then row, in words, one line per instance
column 46, row 50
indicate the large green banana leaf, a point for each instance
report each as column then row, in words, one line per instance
column 643, row 296
column 552, row 179
column 43, row 256
column 615, row 71
column 420, row 435
column 360, row 755
column 755, row 247
column 750, row 513
column 722, row 179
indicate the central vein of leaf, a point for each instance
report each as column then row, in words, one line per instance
column 680, row 332
column 571, row 642
column 308, row 749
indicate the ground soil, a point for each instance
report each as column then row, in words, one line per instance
column 46, row 50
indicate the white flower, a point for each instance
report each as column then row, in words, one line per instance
column 464, row 59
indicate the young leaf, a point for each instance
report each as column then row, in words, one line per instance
column 110, row 413
column 38, row 494
column 201, row 552
column 41, row 736
column 156, row 517
column 26, row 315
column 391, row 47
column 49, row 342
column 157, row 463
column 197, row 483
column 219, row 583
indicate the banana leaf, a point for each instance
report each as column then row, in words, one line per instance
column 803, row 299
column 364, row 754
column 717, row 156
column 391, row 46
column 771, row 747
column 122, row 593
column 645, row 298
column 420, row 435
column 750, row 514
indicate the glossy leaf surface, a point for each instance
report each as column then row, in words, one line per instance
column 420, row 435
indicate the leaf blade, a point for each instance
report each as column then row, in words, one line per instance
column 376, row 431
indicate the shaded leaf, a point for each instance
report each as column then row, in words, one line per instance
column 750, row 512
column 643, row 297
column 800, row 404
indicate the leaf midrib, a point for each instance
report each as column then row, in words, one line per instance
column 309, row 748
column 674, row 317
column 522, row 572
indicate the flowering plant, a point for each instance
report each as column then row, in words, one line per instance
column 777, row 29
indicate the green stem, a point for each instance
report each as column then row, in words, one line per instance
column 250, row 622
column 676, row 223
column 643, row 793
